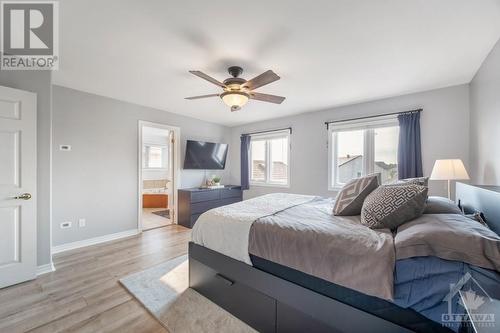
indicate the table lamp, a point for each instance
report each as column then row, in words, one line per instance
column 449, row 170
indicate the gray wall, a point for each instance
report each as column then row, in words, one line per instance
column 444, row 127
column 97, row 179
column 485, row 121
column 105, row 193
column 38, row 82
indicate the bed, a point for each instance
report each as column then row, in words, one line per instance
column 357, row 284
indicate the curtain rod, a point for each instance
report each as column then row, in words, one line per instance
column 270, row 131
column 327, row 123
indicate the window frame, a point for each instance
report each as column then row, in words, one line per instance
column 267, row 137
column 368, row 127
column 164, row 148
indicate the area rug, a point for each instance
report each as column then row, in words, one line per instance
column 164, row 291
column 163, row 213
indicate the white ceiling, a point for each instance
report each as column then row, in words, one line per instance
column 328, row 53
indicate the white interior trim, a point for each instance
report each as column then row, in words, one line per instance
column 93, row 241
column 266, row 137
column 44, row 269
column 353, row 125
column 176, row 168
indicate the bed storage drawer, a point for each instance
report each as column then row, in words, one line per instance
column 249, row 305
column 290, row 320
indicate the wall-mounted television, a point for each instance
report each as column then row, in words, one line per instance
column 205, row 155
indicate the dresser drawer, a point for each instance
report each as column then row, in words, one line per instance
column 247, row 304
column 229, row 201
column 205, row 196
column 203, row 206
column 193, row 219
column 233, row 193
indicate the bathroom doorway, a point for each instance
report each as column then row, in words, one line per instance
column 158, row 175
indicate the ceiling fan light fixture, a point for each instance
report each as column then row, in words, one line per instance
column 235, row 99
column 237, row 91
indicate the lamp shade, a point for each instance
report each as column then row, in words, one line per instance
column 449, row 170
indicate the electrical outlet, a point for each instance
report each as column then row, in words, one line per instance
column 65, row 225
column 82, row 223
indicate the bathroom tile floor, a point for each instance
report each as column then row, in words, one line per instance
column 151, row 221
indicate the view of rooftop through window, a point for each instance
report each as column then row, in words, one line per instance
column 274, row 149
column 351, row 153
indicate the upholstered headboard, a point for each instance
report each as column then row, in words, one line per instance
column 481, row 198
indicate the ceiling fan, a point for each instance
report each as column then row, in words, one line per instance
column 237, row 91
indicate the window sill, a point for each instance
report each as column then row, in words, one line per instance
column 270, row 185
column 335, row 188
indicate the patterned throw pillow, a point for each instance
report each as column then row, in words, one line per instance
column 350, row 198
column 392, row 205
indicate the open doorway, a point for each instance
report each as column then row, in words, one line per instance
column 158, row 172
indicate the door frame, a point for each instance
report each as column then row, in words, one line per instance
column 176, row 165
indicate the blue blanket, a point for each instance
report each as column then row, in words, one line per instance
column 423, row 284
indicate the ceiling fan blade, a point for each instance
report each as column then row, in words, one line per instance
column 261, row 80
column 208, row 78
column 202, row 96
column 267, row 98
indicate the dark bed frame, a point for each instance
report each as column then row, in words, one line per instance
column 271, row 304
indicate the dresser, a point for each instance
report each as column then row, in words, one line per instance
column 192, row 202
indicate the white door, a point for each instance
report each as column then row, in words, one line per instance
column 17, row 186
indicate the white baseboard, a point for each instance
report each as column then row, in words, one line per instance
column 93, row 241
column 47, row 268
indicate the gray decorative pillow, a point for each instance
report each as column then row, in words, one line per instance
column 439, row 205
column 423, row 181
column 392, row 205
column 351, row 197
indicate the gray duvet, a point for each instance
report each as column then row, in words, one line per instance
column 335, row 248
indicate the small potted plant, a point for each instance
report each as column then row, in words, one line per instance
column 216, row 180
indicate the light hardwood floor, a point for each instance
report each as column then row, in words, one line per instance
column 84, row 295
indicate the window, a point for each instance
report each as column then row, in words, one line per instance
column 360, row 148
column 270, row 159
column 154, row 157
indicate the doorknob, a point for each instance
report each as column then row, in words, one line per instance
column 24, row 196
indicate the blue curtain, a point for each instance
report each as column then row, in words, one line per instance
column 245, row 165
column 409, row 149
